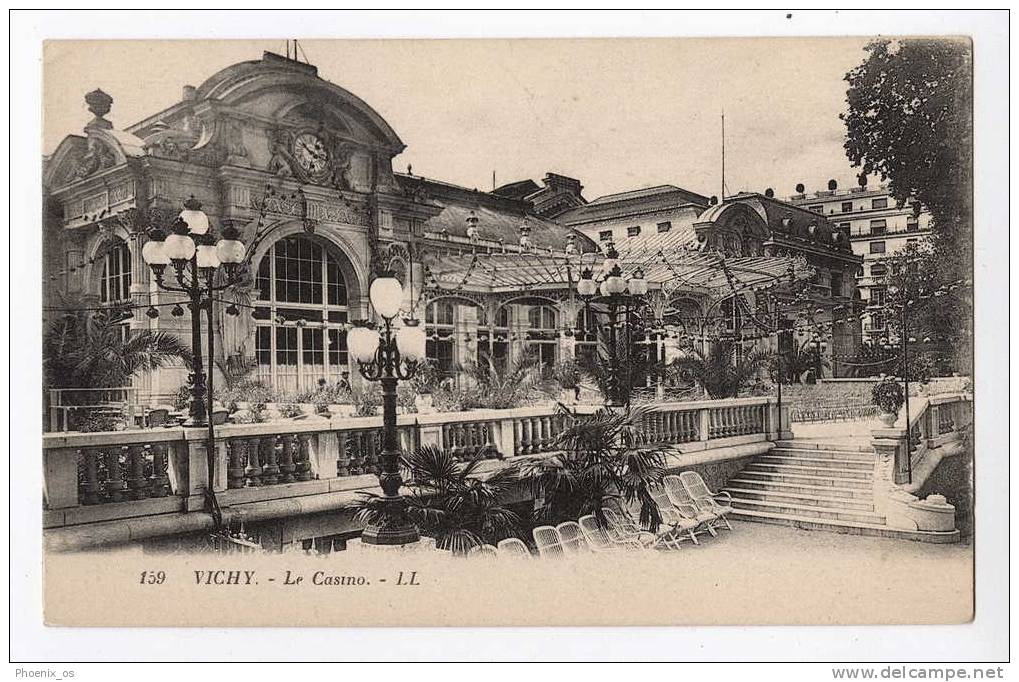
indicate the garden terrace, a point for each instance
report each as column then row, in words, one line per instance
column 109, row 488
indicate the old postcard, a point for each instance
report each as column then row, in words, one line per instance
column 656, row 331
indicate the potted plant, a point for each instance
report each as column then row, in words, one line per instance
column 567, row 375
column 887, row 395
column 425, row 379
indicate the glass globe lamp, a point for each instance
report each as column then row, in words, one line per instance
column 362, row 343
column 410, row 341
column 386, row 295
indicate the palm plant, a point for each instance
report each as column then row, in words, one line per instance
column 505, row 385
column 601, row 460
column 631, row 370
column 720, row 371
column 449, row 502
column 85, row 348
column 792, row 364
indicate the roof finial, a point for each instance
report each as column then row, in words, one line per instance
column 99, row 104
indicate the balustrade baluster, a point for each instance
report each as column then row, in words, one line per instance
column 525, row 436
column 253, row 471
column 518, row 437
column 159, row 485
column 286, row 462
column 137, row 483
column 546, row 441
column 93, row 489
column 270, row 469
column 115, row 484
column 304, row 460
column 235, row 467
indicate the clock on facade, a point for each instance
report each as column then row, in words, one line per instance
column 310, row 153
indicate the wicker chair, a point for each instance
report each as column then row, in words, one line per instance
column 549, row 542
column 677, row 524
column 686, row 505
column 573, row 538
column 621, row 527
column 706, row 499
column 513, row 548
column 483, row 552
column 598, row 539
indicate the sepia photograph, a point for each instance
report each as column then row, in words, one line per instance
column 508, row 331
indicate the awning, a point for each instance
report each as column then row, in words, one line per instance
column 680, row 270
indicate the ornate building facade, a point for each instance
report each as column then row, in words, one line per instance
column 304, row 169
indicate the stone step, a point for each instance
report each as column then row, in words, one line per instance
column 762, row 484
column 809, row 500
column 835, row 526
column 821, row 472
column 828, row 447
column 808, row 511
column 820, row 462
column 844, row 455
column 808, row 480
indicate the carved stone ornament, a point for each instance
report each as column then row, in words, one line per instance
column 98, row 157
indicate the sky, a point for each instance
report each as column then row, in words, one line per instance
column 616, row 114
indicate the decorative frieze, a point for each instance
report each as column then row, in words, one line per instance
column 121, row 193
column 317, row 210
column 95, row 203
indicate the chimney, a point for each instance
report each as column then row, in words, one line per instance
column 563, row 182
column 189, row 93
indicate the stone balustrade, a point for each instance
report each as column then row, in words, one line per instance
column 934, row 420
column 93, row 477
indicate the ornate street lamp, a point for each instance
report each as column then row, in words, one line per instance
column 614, row 291
column 894, row 291
column 388, row 356
column 196, row 257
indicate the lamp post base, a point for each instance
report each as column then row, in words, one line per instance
column 390, row 535
column 393, row 528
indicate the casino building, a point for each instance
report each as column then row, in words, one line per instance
column 304, row 169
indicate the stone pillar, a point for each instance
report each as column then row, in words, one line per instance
column 466, row 333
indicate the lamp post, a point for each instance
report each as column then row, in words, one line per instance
column 904, row 344
column 615, row 292
column 388, row 356
column 196, row 257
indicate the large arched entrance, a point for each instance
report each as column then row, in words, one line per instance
column 302, row 309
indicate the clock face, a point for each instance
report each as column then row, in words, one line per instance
column 311, row 153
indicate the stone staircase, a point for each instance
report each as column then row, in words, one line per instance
column 809, row 485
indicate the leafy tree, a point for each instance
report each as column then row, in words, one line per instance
column 909, row 120
column 600, row 459
column 719, row 371
column 450, row 502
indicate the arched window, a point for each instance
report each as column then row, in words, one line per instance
column 493, row 341
column 542, row 340
column 115, row 280
column 541, row 317
column 440, row 325
column 300, row 315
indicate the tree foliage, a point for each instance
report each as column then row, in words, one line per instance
column 85, row 348
column 600, row 460
column 450, row 501
column 721, row 372
column 909, row 120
